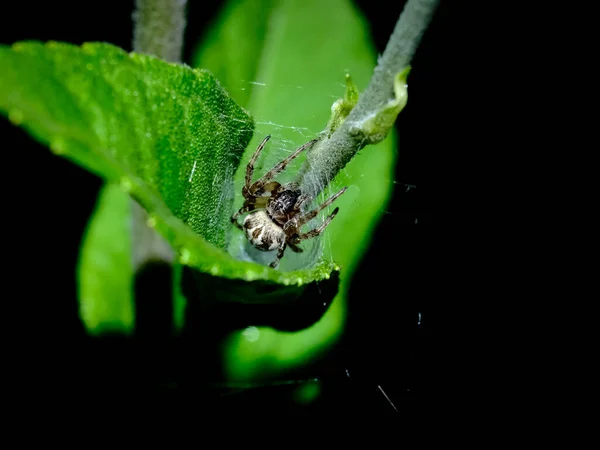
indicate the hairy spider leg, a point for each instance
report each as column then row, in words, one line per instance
column 250, row 166
column 312, row 233
column 268, row 188
column 250, row 205
column 280, row 252
column 317, row 231
column 298, row 222
column 303, row 198
column 294, row 248
column 291, row 186
column 255, row 202
column 258, row 184
column 242, row 210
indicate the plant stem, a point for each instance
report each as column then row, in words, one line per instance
column 159, row 27
column 398, row 53
column 329, row 156
column 158, row 30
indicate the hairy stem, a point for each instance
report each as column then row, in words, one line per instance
column 398, row 53
column 158, row 30
column 159, row 27
column 372, row 118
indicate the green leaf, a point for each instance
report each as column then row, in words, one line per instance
column 166, row 134
column 106, row 301
column 135, row 119
column 232, row 48
column 300, row 53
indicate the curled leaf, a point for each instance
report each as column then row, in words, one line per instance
column 377, row 126
column 342, row 107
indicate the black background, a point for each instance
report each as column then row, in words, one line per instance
column 47, row 202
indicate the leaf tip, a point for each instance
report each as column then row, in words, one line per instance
column 403, row 76
column 342, row 107
column 351, row 93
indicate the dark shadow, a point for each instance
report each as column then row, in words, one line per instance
column 259, row 303
column 154, row 301
column 210, row 319
column 154, row 337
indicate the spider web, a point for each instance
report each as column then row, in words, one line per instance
column 285, row 138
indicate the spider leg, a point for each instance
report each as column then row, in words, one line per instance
column 302, row 199
column 291, row 186
column 280, row 252
column 320, row 228
column 242, row 210
column 250, row 166
column 278, row 167
column 270, row 187
column 251, row 204
column 295, row 248
column 304, row 218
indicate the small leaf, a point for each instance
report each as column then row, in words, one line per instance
column 342, row 107
column 105, row 301
column 166, row 134
column 377, row 127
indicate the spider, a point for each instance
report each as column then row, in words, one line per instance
column 277, row 218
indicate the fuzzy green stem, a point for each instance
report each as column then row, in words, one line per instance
column 158, row 30
column 398, row 54
column 370, row 120
column 159, row 27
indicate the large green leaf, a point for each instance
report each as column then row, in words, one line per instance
column 286, row 61
column 135, row 119
column 167, row 134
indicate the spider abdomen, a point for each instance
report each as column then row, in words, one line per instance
column 262, row 232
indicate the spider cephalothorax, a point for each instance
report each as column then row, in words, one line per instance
column 277, row 218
